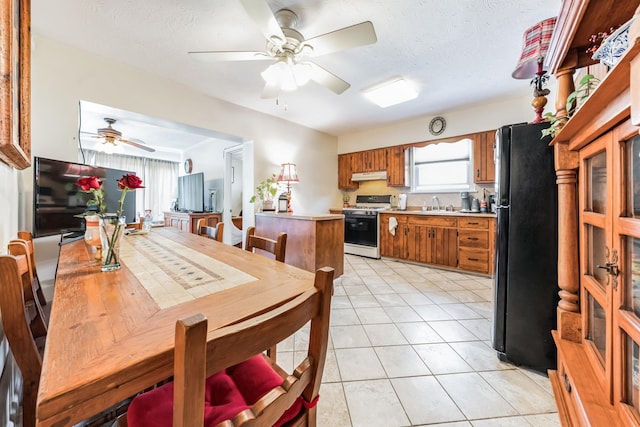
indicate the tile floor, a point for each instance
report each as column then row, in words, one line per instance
column 410, row 346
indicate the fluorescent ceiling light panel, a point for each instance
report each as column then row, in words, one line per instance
column 391, row 93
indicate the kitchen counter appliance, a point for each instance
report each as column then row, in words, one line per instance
column 362, row 225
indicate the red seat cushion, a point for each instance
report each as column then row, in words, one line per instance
column 226, row 394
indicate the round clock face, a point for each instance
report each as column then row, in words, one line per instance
column 188, row 166
column 437, row 125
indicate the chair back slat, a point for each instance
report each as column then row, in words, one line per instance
column 18, row 331
column 28, row 237
column 189, row 371
column 276, row 247
column 214, row 233
column 19, row 247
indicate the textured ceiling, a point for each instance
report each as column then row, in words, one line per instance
column 458, row 52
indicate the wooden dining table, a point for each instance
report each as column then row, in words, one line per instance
column 111, row 334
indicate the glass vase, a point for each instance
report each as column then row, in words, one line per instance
column 111, row 230
column 92, row 233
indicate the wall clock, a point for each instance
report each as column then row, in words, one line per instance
column 188, row 166
column 437, row 125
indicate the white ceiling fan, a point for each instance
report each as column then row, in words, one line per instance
column 113, row 136
column 289, row 50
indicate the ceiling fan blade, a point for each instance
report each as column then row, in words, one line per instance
column 327, row 79
column 262, row 15
column 137, row 144
column 270, row 91
column 356, row 35
column 215, row 56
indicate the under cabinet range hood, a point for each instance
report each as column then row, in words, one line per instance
column 369, row 176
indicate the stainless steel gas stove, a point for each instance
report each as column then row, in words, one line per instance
column 362, row 225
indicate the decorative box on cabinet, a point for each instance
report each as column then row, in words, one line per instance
column 185, row 221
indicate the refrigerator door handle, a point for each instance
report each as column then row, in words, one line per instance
column 503, row 206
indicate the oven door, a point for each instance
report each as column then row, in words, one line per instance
column 361, row 229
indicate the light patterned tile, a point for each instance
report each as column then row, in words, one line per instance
column 520, row 391
column 357, row 364
column 349, row 336
column 419, row 333
column 384, row 334
column 425, row 401
column 475, row 397
column 401, row 361
column 332, row 406
column 441, row 358
column 374, row 404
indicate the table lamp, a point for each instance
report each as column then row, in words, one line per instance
column 289, row 176
column 530, row 65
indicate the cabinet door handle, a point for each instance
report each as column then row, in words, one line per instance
column 477, row 173
column 473, row 223
column 473, row 259
column 472, row 238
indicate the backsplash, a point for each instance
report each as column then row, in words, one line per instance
column 417, row 199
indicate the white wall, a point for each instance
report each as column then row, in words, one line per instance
column 459, row 122
column 62, row 75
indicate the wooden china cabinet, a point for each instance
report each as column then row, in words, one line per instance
column 597, row 159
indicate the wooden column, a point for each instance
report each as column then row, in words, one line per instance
column 565, row 87
column 566, row 164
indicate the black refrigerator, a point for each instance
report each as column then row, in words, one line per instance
column 526, row 276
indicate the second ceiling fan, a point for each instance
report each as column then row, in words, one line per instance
column 289, row 50
column 110, row 135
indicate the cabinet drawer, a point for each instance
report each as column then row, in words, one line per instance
column 436, row 221
column 473, row 238
column 473, row 260
column 482, row 223
column 402, row 219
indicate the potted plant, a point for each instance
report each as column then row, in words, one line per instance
column 266, row 191
column 345, row 200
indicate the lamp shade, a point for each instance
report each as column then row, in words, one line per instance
column 534, row 49
column 288, row 173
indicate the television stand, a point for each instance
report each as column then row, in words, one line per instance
column 188, row 221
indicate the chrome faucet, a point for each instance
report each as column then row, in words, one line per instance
column 435, row 200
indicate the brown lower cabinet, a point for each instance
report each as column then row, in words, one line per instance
column 188, row 222
column 455, row 241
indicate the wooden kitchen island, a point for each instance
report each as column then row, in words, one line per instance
column 313, row 241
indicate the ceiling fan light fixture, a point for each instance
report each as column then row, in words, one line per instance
column 287, row 75
column 390, row 93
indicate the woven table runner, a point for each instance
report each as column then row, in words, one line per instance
column 173, row 273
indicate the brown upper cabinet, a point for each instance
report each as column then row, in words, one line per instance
column 373, row 160
column 395, row 161
column 483, row 163
column 346, row 168
column 397, row 166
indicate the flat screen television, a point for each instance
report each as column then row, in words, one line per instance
column 57, row 199
column 191, row 192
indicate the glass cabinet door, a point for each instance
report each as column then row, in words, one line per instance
column 597, row 251
column 627, row 316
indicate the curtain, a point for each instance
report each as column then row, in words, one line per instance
column 159, row 177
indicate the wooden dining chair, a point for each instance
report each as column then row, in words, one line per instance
column 27, row 350
column 214, row 233
column 244, row 387
column 276, row 247
column 34, row 311
column 28, row 237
